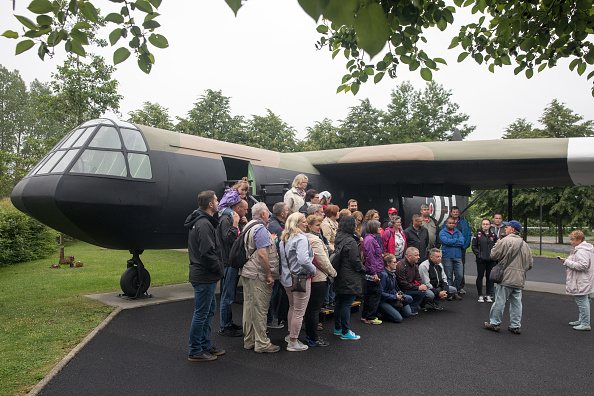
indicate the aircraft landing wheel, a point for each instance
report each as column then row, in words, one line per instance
column 130, row 282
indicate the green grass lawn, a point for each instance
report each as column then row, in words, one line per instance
column 44, row 314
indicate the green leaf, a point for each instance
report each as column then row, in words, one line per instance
column 235, row 5
column 144, row 63
column 78, row 49
column 151, row 24
column 342, row 12
column 120, row 55
column 505, row 60
column 322, row 29
column 42, row 51
column 79, row 36
column 454, row 43
column 144, row 6
column 440, row 60
column 591, row 75
column 573, row 64
column 478, row 57
column 90, row 12
column 340, row 88
column 54, row 38
column 378, row 77
column 589, row 57
column 115, row 35
column 40, row 6
column 10, row 34
column 158, row 40
column 442, row 24
column 335, row 52
column 542, row 67
column 582, row 68
column 426, row 74
column 83, row 25
column 314, row 8
column 492, row 67
column 529, row 73
column 37, row 33
column 447, row 14
column 414, row 65
column 355, row 88
column 114, row 17
column 462, row 56
column 458, row 2
column 27, row 22
column 44, row 20
column 372, row 28
column 347, row 53
column 155, row 3
column 406, row 59
column 73, row 7
column 23, row 46
column 518, row 69
column 369, row 71
column 148, row 17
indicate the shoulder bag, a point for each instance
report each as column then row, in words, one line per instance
column 497, row 271
column 299, row 281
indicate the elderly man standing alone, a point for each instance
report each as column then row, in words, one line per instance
column 516, row 258
column 258, row 276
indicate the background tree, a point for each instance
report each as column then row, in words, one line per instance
column 562, row 206
column 363, row 126
column 151, row 114
column 270, row 132
column 211, row 118
column 322, row 136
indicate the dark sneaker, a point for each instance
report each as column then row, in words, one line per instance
column 433, row 305
column 231, row 332
column 216, row 351
column 492, row 327
column 422, row 308
column 236, row 326
column 461, row 291
column 271, row 349
column 457, row 297
column 515, row 330
column 450, row 298
column 275, row 324
column 202, row 357
column 317, row 343
column 413, row 312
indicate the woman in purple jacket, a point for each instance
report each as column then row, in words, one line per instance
column 374, row 264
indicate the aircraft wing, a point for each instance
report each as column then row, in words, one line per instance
column 435, row 168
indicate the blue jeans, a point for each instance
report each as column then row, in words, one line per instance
column 205, row 305
column 228, row 296
column 583, row 303
column 453, row 266
column 272, row 309
column 417, row 296
column 502, row 294
column 391, row 314
column 342, row 312
column 330, row 297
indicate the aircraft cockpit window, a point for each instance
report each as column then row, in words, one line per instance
column 72, row 138
column 49, row 164
column 65, row 161
column 95, row 122
column 133, row 139
column 106, row 137
column 98, row 162
column 125, row 124
column 140, row 166
column 83, row 138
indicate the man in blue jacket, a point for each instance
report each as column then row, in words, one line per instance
column 452, row 242
column 464, row 228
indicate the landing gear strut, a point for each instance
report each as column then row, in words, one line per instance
column 136, row 280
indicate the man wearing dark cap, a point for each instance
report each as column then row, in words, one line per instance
column 516, row 258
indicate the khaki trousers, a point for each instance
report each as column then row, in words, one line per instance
column 256, row 300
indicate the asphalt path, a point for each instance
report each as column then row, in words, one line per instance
column 144, row 351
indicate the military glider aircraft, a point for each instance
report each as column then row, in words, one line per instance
column 125, row 186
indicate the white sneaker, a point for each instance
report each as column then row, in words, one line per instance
column 288, row 338
column 296, row 346
column 481, row 299
column 489, row 299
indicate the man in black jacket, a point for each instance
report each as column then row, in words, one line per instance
column 417, row 236
column 227, row 232
column 408, row 278
column 206, row 268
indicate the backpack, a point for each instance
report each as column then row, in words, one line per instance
column 237, row 254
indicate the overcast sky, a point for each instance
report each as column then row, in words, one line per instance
column 265, row 58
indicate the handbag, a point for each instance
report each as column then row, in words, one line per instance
column 299, row 281
column 496, row 274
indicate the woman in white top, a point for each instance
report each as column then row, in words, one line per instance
column 295, row 197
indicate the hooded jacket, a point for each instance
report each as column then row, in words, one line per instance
column 350, row 271
column 206, row 263
column 579, row 269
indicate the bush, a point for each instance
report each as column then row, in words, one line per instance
column 23, row 238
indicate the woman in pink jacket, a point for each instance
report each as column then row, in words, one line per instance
column 580, row 277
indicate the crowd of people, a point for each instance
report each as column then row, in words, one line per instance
column 308, row 255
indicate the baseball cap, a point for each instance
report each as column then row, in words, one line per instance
column 392, row 210
column 514, row 224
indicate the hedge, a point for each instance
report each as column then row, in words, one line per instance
column 23, row 238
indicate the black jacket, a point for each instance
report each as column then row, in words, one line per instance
column 482, row 244
column 226, row 234
column 206, row 264
column 350, row 271
column 418, row 239
column 407, row 275
column 275, row 227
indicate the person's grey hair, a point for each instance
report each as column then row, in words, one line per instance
column 258, row 209
column 278, row 208
column 424, row 206
column 416, row 216
column 411, row 250
column 372, row 226
column 313, row 208
column 433, row 251
column 393, row 221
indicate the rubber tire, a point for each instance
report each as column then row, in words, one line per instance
column 129, row 281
